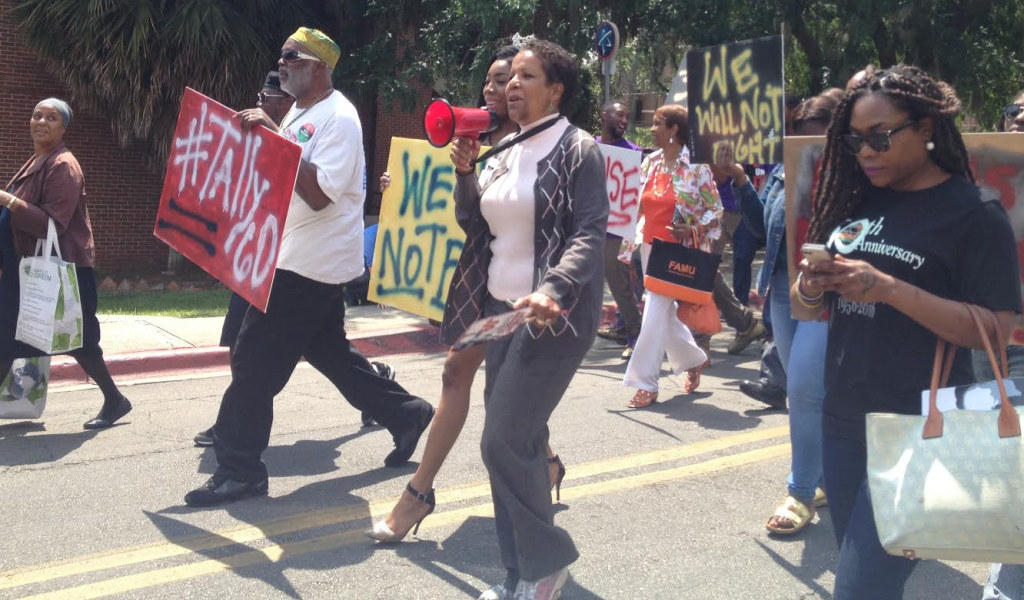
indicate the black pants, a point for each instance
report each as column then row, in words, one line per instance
column 304, row 318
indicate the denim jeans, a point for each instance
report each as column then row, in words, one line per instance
column 801, row 347
column 1014, row 363
column 783, row 325
column 1005, row 582
column 744, row 248
column 865, row 569
column 805, row 386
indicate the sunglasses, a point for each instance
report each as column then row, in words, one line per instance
column 880, row 141
column 294, row 55
column 262, row 97
column 1012, row 110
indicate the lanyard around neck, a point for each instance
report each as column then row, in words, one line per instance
column 521, row 137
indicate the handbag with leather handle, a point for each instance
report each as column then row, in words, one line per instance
column 950, row 485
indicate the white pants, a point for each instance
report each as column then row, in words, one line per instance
column 661, row 332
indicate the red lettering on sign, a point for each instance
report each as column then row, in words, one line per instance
column 623, row 191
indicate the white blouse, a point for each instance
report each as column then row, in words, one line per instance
column 509, row 206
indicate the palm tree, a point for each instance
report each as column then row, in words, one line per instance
column 129, row 60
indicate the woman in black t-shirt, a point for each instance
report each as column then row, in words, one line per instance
column 913, row 238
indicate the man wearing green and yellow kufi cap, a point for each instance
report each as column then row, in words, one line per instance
column 321, row 248
column 318, row 44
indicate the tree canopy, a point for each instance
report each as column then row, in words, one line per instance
column 130, row 60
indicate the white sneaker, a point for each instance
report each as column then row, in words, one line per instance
column 496, row 592
column 546, row 588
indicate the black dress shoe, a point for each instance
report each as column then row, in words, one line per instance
column 205, row 439
column 762, row 391
column 220, row 490
column 405, row 442
column 107, row 418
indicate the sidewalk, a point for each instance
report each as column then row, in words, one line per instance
column 144, row 346
column 147, row 346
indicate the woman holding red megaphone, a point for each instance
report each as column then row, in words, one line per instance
column 492, row 97
column 460, row 367
column 535, row 224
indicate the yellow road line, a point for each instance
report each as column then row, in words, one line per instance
column 342, row 514
column 278, row 552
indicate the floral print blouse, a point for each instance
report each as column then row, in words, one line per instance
column 697, row 198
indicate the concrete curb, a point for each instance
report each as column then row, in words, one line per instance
column 419, row 339
column 64, row 370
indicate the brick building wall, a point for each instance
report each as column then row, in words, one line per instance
column 122, row 194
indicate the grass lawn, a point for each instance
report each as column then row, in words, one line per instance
column 199, row 303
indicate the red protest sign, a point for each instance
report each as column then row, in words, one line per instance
column 226, row 195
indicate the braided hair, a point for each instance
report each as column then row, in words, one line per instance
column 910, row 89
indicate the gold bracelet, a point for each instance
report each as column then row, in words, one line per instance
column 816, row 300
column 809, row 303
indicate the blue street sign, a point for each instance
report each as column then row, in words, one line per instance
column 606, row 41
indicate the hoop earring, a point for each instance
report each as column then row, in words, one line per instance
column 930, row 146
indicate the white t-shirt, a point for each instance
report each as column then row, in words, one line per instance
column 327, row 245
column 509, row 207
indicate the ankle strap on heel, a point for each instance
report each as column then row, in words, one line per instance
column 424, row 497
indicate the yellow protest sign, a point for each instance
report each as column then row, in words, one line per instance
column 418, row 240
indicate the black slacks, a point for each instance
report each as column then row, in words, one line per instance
column 304, row 318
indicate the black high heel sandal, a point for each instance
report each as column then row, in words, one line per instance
column 382, row 533
column 557, row 483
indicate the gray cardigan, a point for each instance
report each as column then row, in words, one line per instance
column 569, row 235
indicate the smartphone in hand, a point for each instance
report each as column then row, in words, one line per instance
column 816, row 253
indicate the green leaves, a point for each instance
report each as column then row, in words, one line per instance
column 130, row 59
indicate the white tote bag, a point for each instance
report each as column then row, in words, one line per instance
column 23, row 391
column 950, row 485
column 50, row 308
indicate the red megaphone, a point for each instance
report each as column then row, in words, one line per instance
column 443, row 122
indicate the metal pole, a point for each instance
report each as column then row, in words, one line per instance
column 607, row 69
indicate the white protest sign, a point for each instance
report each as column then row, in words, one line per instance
column 622, row 174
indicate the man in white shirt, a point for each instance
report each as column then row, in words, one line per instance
column 321, row 249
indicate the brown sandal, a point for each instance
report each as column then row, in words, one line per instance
column 693, row 377
column 642, row 399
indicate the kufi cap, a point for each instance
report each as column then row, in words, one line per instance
column 318, row 44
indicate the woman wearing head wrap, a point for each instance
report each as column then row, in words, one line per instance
column 50, row 186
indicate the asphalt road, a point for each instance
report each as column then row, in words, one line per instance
column 664, row 503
